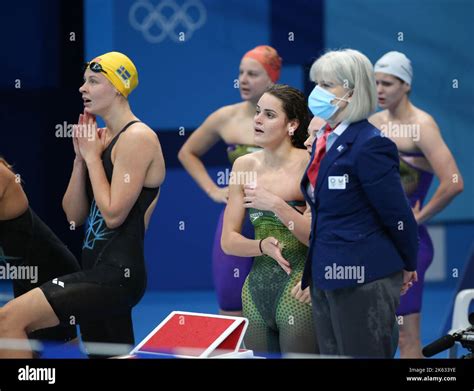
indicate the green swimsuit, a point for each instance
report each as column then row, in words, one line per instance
column 277, row 321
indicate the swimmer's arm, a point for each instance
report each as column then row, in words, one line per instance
column 5, row 178
column 75, row 201
column 232, row 241
column 134, row 154
column 200, row 141
column 444, row 166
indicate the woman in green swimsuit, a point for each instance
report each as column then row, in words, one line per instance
column 279, row 313
column 233, row 124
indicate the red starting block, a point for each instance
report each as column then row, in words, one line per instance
column 195, row 335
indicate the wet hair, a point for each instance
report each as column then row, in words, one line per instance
column 295, row 107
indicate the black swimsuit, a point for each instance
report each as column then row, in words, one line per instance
column 100, row 298
column 27, row 243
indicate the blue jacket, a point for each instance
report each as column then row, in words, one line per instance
column 362, row 227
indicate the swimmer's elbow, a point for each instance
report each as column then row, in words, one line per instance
column 187, row 157
column 74, row 217
column 75, row 221
column 183, row 154
column 225, row 244
column 230, row 243
column 114, row 220
column 114, row 215
column 459, row 188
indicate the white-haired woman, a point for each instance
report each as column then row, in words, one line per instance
column 363, row 245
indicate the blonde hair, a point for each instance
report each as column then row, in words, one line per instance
column 353, row 70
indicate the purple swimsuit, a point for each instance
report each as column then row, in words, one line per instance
column 416, row 183
column 230, row 271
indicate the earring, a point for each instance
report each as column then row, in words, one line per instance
column 291, row 132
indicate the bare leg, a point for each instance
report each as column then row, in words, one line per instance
column 230, row 313
column 26, row 313
column 409, row 340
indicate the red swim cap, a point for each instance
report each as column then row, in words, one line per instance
column 268, row 58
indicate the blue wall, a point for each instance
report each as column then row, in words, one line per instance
column 30, row 46
column 181, row 82
column 179, row 238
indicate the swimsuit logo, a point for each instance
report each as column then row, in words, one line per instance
column 96, row 228
column 255, row 216
column 167, row 19
column 57, row 282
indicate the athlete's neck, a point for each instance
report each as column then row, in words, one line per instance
column 402, row 111
column 117, row 117
column 250, row 107
column 277, row 156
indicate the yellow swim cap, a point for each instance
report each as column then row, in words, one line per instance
column 118, row 69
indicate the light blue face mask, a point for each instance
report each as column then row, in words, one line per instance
column 319, row 102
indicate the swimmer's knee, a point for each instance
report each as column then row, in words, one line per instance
column 7, row 318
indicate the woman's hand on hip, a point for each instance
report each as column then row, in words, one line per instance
column 272, row 247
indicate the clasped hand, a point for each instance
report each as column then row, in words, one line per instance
column 88, row 140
